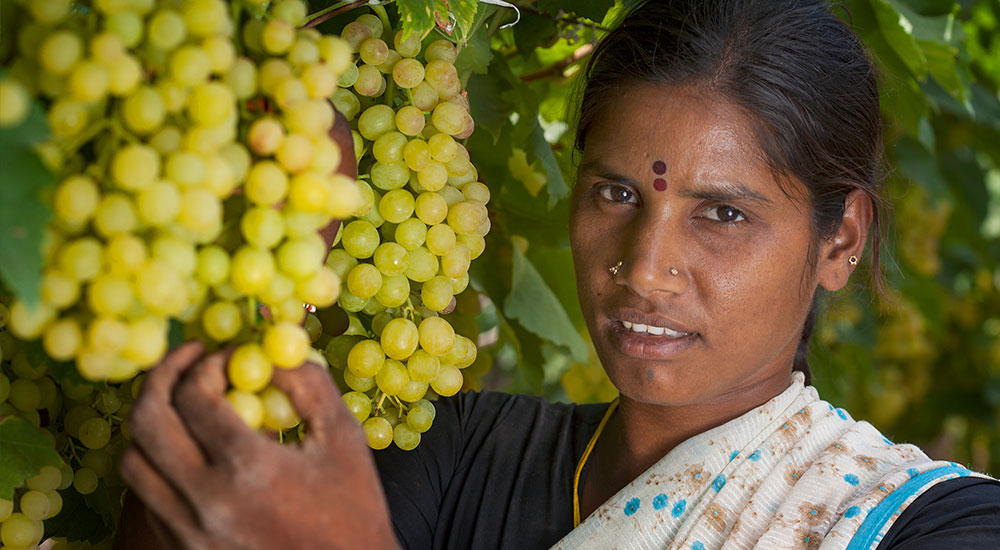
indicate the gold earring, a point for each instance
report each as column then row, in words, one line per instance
column 615, row 268
column 673, row 271
column 853, row 260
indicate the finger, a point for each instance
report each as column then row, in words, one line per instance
column 340, row 133
column 159, row 497
column 155, row 426
column 200, row 400
column 317, row 401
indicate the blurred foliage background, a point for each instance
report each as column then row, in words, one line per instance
column 921, row 363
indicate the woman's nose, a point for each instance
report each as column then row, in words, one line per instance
column 654, row 265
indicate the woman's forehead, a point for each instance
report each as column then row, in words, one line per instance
column 685, row 128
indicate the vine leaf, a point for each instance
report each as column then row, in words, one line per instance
column 538, row 309
column 24, row 450
column 23, row 215
column 83, row 517
column 591, row 9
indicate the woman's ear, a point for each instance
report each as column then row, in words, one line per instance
column 835, row 261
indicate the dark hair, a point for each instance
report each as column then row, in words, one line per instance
column 798, row 73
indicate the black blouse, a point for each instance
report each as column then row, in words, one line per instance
column 496, row 471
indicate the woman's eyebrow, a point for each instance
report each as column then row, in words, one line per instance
column 597, row 168
column 722, row 191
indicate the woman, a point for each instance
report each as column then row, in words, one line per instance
column 729, row 170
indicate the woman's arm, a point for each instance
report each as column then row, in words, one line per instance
column 208, row 481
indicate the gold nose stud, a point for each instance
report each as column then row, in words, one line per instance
column 615, row 268
column 673, row 271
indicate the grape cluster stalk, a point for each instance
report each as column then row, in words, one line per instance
column 406, row 253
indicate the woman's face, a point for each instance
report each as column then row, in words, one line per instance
column 715, row 281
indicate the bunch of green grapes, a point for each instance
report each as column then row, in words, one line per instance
column 81, row 420
column 407, row 252
column 191, row 144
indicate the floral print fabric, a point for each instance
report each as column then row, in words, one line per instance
column 793, row 473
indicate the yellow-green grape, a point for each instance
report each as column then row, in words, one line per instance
column 158, row 204
column 405, row 437
column 424, row 96
column 441, row 239
column 364, row 280
column 109, row 294
column 433, row 176
column 436, row 293
column 263, row 227
column 358, row 383
column 251, row 270
column 28, row 322
column 448, row 381
column 378, row 430
column 147, row 341
column 144, row 110
column 211, row 103
column 18, row 531
column 466, row 216
column 166, row 30
column 301, row 258
column 423, row 265
column 422, row 366
column 413, row 391
column 387, row 66
column 358, row 404
column 344, row 197
column 212, row 265
column 339, row 347
column 449, row 118
column 34, row 505
column 390, row 175
column 411, row 234
column 456, row 261
column 95, row 433
column 290, row 91
column 392, row 377
column 115, row 214
column 389, row 147
column 135, row 166
column 394, row 292
column 360, row 239
column 370, row 81
column 416, row 154
column 60, row 51
column 286, row 344
column 373, row 51
column 76, row 199
column 399, row 338
column 436, row 335
column 313, row 327
column 279, row 413
column 407, row 73
column 67, row 118
column 443, row 147
column 320, row 289
column 249, row 369
column 24, row 395
column 410, row 47
column 266, row 183
column 222, row 320
column 431, row 208
column 277, row 36
column 365, row 359
column 247, row 406
column 375, row 121
column 349, row 78
column 341, row 262
column 396, row 205
column 346, row 102
column 391, row 258
column 242, row 78
column 410, row 120
column 419, row 418
column 47, row 479
column 476, row 191
column 355, row 33
column 441, row 50
column 309, row 192
column 351, row 303
column 312, row 117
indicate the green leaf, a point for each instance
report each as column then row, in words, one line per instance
column 537, row 308
column 175, row 334
column 591, row 9
column 918, row 164
column 417, row 16
column 23, row 215
column 475, row 55
column 540, row 149
column 464, row 12
column 898, row 31
column 83, row 517
column 24, row 450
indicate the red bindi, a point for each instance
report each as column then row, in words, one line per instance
column 660, row 167
column 660, row 184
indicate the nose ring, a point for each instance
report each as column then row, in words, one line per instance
column 615, row 268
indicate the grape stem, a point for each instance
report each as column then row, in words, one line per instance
column 378, row 407
column 331, row 11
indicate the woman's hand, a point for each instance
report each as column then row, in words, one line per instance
column 211, row 482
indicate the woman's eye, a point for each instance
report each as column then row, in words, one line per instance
column 618, row 193
column 724, row 213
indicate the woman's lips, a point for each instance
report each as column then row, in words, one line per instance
column 657, row 340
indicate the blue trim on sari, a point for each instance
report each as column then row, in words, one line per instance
column 876, row 519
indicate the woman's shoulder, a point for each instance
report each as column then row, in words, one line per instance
column 958, row 513
column 496, row 409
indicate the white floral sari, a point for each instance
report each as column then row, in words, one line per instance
column 793, row 473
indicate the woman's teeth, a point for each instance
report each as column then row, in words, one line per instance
column 655, row 331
